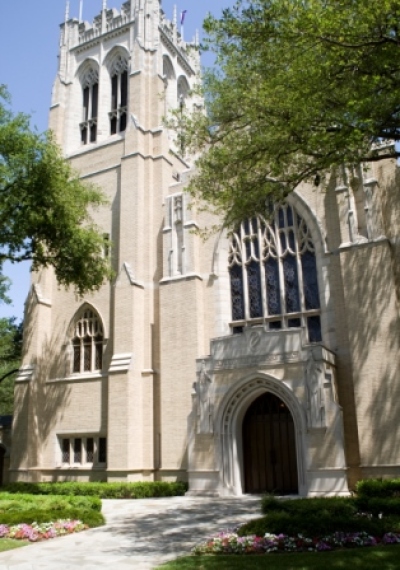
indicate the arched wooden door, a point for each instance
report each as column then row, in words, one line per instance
column 269, row 447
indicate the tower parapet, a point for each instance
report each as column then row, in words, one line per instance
column 89, row 106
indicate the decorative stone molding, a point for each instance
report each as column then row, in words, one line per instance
column 178, row 260
column 120, row 363
column 131, row 277
column 26, row 373
column 41, row 300
column 361, row 218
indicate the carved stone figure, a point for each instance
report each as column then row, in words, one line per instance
column 204, row 407
column 315, row 396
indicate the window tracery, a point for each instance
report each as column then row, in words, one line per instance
column 87, row 343
column 90, row 93
column 119, row 96
column 273, row 273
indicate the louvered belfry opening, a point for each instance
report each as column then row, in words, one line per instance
column 269, row 447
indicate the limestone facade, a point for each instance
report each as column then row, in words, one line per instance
column 157, row 375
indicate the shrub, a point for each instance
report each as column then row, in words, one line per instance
column 24, row 508
column 333, row 506
column 139, row 490
column 23, row 502
column 377, row 505
column 384, row 488
column 90, row 517
column 279, row 522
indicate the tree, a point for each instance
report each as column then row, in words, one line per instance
column 300, row 87
column 10, row 356
column 44, row 207
column 4, row 286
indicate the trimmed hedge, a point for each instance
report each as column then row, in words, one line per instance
column 383, row 488
column 139, row 490
column 322, row 516
column 24, row 508
column 23, row 502
column 279, row 522
column 89, row 517
column 378, row 505
column 330, row 506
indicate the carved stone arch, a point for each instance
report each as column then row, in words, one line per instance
column 88, row 72
column 319, row 237
column 86, row 341
column 117, row 60
column 310, row 217
column 168, row 69
column 229, row 419
column 84, row 307
column 170, row 86
column 183, row 88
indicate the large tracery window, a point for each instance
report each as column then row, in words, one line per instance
column 90, row 87
column 273, row 274
column 119, row 96
column 87, row 343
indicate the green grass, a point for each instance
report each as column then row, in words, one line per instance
column 377, row 558
column 9, row 544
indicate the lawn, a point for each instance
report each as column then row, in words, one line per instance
column 9, row 544
column 377, row 558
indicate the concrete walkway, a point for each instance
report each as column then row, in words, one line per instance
column 139, row 534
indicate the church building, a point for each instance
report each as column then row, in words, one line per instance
column 265, row 358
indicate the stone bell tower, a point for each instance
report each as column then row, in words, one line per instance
column 90, row 401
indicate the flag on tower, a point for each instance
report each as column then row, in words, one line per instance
column 183, row 14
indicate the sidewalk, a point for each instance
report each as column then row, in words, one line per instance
column 139, row 534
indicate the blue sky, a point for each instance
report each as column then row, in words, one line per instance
column 29, row 34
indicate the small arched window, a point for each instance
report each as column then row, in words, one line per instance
column 119, row 96
column 273, row 274
column 87, row 343
column 90, row 92
column 183, row 89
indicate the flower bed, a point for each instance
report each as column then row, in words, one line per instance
column 231, row 543
column 43, row 531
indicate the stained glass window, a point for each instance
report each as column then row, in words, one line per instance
column 254, row 286
column 237, row 294
column 310, row 282
column 273, row 273
column 273, row 289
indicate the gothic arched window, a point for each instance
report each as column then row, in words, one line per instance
column 90, row 92
column 183, row 89
column 87, row 343
column 273, row 274
column 119, row 96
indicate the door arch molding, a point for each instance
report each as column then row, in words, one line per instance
column 229, row 421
